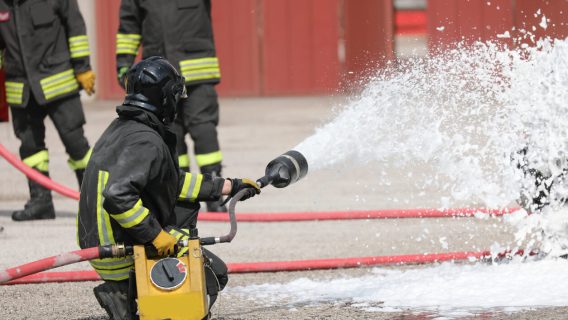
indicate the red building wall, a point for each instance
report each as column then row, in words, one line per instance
column 270, row 47
column 451, row 21
column 471, row 20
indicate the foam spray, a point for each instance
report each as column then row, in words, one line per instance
column 465, row 113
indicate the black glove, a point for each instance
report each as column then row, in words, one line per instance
column 121, row 74
column 244, row 184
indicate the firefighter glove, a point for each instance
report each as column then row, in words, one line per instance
column 87, row 81
column 244, row 184
column 122, row 71
column 165, row 244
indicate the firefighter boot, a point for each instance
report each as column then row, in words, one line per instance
column 40, row 205
column 79, row 174
column 215, row 171
column 113, row 297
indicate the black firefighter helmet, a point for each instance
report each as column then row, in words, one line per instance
column 155, row 85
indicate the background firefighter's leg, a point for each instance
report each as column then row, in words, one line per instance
column 29, row 128
column 200, row 114
column 181, row 147
column 69, row 118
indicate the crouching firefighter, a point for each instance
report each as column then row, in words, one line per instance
column 133, row 183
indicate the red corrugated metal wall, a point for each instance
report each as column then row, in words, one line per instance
column 237, row 43
column 529, row 14
column 269, row 47
column 369, row 37
column 107, row 26
column 451, row 21
column 299, row 47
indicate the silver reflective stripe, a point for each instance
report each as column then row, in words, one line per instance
column 191, row 186
column 104, row 228
column 131, row 218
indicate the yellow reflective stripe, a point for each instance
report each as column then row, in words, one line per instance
column 106, row 235
column 59, row 84
column 208, row 158
column 178, row 235
column 199, row 63
column 201, row 76
column 127, row 43
column 183, row 160
column 202, row 68
column 191, row 186
column 112, row 263
column 79, row 53
column 114, row 275
column 197, row 188
column 39, row 160
column 79, row 46
column 129, row 36
column 132, row 217
column 14, row 92
column 81, row 163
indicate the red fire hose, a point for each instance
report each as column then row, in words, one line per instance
column 276, row 266
column 36, row 176
column 49, row 263
column 278, row 217
column 354, row 215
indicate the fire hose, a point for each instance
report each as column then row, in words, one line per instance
column 11, row 277
column 278, row 217
column 281, row 172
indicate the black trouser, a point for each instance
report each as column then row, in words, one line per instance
column 198, row 115
column 68, row 118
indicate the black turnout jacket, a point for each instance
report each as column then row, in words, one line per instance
column 133, row 181
column 44, row 44
column 179, row 30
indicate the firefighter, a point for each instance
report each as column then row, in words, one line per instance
column 181, row 32
column 46, row 61
column 133, row 182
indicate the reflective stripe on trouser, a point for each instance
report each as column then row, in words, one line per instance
column 81, row 163
column 14, row 92
column 113, row 269
column 191, row 186
column 180, row 236
column 127, row 43
column 79, row 46
column 39, row 161
column 59, row 84
column 200, row 69
column 208, row 158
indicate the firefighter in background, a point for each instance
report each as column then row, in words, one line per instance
column 181, row 32
column 46, row 61
column 133, row 183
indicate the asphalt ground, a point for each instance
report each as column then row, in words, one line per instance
column 252, row 132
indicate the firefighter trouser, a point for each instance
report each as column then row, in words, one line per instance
column 68, row 118
column 199, row 115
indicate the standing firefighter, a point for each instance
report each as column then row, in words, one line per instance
column 133, row 182
column 46, row 60
column 181, row 32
